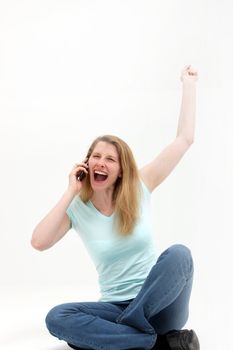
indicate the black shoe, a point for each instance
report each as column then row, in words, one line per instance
column 183, row 340
column 161, row 343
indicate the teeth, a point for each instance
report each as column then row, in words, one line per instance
column 100, row 172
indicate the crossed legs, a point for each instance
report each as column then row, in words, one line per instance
column 160, row 306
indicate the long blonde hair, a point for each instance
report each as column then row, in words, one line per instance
column 126, row 195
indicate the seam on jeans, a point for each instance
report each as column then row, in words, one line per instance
column 59, row 335
column 148, row 330
column 149, row 306
column 95, row 308
column 129, row 307
column 153, row 341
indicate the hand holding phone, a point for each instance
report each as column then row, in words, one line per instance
column 81, row 174
column 77, row 175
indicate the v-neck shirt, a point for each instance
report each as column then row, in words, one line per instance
column 122, row 262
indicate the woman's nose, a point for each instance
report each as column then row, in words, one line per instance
column 101, row 162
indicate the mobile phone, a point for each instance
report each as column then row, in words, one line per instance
column 81, row 174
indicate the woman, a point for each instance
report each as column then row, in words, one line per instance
column 144, row 298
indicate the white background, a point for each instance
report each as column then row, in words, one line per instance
column 73, row 70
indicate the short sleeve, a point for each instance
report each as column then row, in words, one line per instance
column 71, row 213
column 146, row 192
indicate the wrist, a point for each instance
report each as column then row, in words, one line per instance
column 189, row 84
column 70, row 193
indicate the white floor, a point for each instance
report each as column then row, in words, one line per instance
column 23, row 311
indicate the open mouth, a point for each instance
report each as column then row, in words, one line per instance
column 100, row 176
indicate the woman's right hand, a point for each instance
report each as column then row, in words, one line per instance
column 75, row 185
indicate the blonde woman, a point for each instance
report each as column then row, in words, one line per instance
column 144, row 297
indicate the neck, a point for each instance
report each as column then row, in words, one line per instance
column 103, row 201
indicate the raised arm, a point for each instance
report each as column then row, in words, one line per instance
column 156, row 171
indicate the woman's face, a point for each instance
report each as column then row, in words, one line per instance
column 104, row 166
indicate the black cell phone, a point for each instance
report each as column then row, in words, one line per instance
column 81, row 174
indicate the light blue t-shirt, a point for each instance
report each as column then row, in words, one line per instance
column 122, row 262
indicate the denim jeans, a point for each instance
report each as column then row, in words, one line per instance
column 160, row 306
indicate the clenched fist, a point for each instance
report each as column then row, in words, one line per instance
column 189, row 74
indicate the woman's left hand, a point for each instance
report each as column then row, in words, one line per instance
column 189, row 74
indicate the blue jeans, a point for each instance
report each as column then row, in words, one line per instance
column 160, row 306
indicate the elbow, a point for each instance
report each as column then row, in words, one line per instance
column 190, row 142
column 38, row 244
